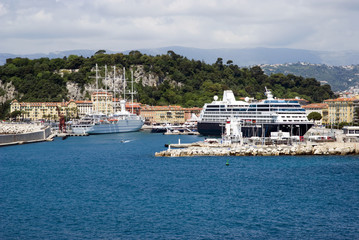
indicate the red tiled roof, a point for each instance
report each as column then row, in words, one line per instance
column 48, row 104
column 83, row 101
column 137, row 105
column 163, row 108
column 316, row 105
column 341, row 100
column 295, row 99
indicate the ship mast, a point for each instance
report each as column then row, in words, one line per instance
column 97, row 77
column 106, row 89
column 113, row 88
column 132, row 90
column 124, row 84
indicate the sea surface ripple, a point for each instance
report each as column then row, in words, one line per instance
column 101, row 187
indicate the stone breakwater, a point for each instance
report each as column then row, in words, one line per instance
column 198, row 149
column 11, row 134
column 19, row 128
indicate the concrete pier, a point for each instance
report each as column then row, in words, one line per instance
column 181, row 133
column 201, row 149
column 70, row 134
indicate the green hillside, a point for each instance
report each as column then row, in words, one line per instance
column 182, row 81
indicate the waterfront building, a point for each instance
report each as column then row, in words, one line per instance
column 321, row 108
column 102, row 102
column 84, row 107
column 342, row 110
column 44, row 110
column 163, row 114
column 325, row 116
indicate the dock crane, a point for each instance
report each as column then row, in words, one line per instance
column 62, row 124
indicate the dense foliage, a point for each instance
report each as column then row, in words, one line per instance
column 196, row 81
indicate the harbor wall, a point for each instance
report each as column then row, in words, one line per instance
column 25, row 137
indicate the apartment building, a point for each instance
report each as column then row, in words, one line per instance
column 321, row 108
column 163, row 114
column 167, row 114
column 44, row 110
column 342, row 110
column 102, row 102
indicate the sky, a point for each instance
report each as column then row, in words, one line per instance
column 43, row 26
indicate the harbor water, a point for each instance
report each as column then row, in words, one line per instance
column 113, row 187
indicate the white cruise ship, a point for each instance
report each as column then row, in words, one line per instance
column 257, row 118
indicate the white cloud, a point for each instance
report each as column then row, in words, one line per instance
column 3, row 9
column 51, row 25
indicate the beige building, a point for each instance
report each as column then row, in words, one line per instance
column 163, row 114
column 321, row 108
column 44, row 110
column 167, row 114
column 102, row 102
column 342, row 109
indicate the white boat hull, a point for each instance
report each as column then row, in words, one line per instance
column 111, row 127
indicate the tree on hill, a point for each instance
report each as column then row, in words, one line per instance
column 100, row 52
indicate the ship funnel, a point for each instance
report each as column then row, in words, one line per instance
column 228, row 96
column 269, row 94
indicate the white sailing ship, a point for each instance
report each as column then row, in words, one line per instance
column 119, row 122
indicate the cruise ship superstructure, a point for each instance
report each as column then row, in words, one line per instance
column 257, row 118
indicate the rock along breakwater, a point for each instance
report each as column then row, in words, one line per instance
column 202, row 149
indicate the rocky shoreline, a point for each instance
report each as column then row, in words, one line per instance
column 203, row 149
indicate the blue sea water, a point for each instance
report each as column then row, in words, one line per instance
column 99, row 187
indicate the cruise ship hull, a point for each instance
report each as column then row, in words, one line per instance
column 106, row 128
column 256, row 130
